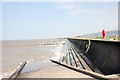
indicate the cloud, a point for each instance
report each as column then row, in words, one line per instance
column 73, row 8
column 67, row 6
column 88, row 10
column 70, row 8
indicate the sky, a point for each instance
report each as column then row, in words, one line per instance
column 42, row 20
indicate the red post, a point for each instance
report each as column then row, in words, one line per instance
column 103, row 33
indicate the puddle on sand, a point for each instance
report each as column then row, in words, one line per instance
column 34, row 66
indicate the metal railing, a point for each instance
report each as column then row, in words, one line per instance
column 17, row 72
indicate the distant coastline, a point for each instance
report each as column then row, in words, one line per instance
column 108, row 33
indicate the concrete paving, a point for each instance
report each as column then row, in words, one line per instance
column 55, row 71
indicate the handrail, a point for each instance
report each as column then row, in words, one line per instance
column 88, row 47
column 17, row 72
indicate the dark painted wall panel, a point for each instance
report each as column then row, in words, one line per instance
column 104, row 54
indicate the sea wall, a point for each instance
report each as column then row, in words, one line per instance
column 103, row 54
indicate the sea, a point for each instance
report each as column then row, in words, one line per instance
column 37, row 53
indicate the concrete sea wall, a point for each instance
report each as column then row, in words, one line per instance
column 103, row 54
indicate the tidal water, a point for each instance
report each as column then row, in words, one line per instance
column 36, row 52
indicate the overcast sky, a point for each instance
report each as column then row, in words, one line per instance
column 40, row 20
